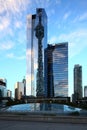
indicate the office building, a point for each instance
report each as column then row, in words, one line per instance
column 57, row 70
column 9, row 93
column 77, row 82
column 3, row 87
column 36, row 44
column 24, row 82
column 85, row 91
column 19, row 90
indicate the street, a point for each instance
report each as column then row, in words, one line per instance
column 26, row 125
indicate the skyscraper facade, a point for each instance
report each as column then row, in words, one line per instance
column 19, row 90
column 57, row 70
column 24, row 82
column 9, row 93
column 78, row 81
column 36, row 44
column 85, row 91
column 3, row 87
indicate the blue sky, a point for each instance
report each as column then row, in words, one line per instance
column 67, row 22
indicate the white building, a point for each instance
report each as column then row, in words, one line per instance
column 19, row 90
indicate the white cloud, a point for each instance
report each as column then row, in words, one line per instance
column 13, row 6
column 83, row 17
column 53, row 39
column 45, row 4
column 73, row 35
column 80, row 18
column 18, row 24
column 21, row 37
column 50, row 13
column 66, row 15
column 75, row 39
column 5, row 27
column 41, row 3
column 6, row 46
column 58, row 1
column 10, row 12
column 4, row 23
column 20, row 57
column 12, row 56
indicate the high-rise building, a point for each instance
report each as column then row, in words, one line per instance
column 77, row 82
column 57, row 70
column 3, row 87
column 36, row 44
column 24, row 82
column 19, row 90
column 85, row 91
column 9, row 93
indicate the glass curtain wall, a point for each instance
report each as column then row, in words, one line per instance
column 57, row 66
column 36, row 44
column 60, row 69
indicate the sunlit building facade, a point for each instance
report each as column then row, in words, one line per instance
column 57, row 67
column 78, row 81
column 19, row 90
column 9, row 93
column 36, row 44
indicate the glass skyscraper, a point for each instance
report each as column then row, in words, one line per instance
column 85, row 91
column 57, row 70
column 78, row 81
column 36, row 44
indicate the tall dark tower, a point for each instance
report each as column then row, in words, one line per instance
column 36, row 72
column 39, row 34
column 24, row 81
column 77, row 82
